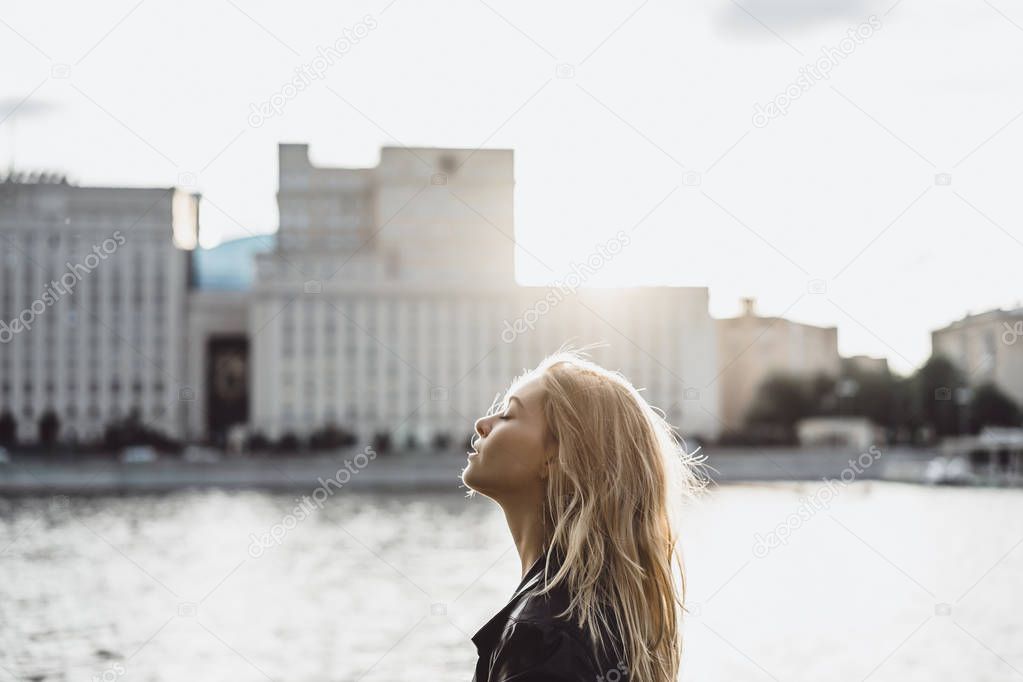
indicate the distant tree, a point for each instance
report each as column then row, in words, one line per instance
column 820, row 394
column 868, row 393
column 49, row 427
column 441, row 441
column 780, row 401
column 991, row 407
column 906, row 419
column 258, row 442
column 933, row 400
column 131, row 430
column 382, row 442
column 411, row 442
column 328, row 438
column 8, row 430
column 936, row 388
column 348, row 438
column 288, row 443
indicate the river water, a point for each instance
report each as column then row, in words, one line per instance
column 874, row 580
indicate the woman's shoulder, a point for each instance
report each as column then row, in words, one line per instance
column 551, row 651
column 538, row 618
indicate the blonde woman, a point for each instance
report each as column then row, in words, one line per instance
column 589, row 477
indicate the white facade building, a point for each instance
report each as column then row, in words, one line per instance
column 92, row 304
column 390, row 305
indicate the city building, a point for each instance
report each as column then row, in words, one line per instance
column 987, row 347
column 866, row 364
column 390, row 305
column 92, row 304
column 751, row 348
column 386, row 304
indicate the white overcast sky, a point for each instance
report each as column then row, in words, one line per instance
column 841, row 188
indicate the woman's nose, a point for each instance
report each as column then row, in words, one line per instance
column 482, row 426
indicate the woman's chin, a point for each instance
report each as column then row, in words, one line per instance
column 471, row 477
column 468, row 475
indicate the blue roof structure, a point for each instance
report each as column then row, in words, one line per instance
column 231, row 265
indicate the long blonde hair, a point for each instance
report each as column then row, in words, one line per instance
column 614, row 493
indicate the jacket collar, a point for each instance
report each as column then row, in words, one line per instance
column 488, row 636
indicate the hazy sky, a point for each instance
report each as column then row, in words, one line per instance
column 622, row 114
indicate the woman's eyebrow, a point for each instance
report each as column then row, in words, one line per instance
column 516, row 399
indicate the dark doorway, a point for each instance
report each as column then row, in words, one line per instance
column 227, row 385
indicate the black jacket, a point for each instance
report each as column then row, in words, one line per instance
column 524, row 642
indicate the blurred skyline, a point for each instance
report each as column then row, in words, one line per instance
column 641, row 114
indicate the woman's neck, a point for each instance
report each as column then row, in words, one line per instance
column 527, row 531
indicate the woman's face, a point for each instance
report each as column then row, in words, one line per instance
column 510, row 457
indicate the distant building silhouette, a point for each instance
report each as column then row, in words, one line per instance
column 92, row 303
column 987, row 347
column 867, row 364
column 751, row 348
column 390, row 304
